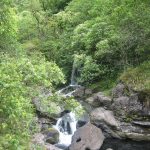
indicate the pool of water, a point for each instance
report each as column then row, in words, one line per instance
column 117, row 144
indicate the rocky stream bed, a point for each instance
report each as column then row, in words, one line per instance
column 119, row 122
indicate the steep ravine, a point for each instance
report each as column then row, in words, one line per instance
column 120, row 122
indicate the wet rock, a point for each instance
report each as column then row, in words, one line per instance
column 38, row 140
column 109, row 149
column 134, row 132
column 82, row 92
column 88, row 137
column 64, row 112
column 51, row 136
column 83, row 120
column 134, row 136
column 80, row 123
column 142, row 123
column 79, row 93
column 117, row 144
column 100, row 115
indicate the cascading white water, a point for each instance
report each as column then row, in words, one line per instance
column 66, row 127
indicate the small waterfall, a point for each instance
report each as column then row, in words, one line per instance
column 73, row 81
column 66, row 127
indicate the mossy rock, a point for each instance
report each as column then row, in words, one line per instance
column 138, row 78
column 52, row 135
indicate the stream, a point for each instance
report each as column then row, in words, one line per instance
column 66, row 126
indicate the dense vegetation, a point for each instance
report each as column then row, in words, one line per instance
column 106, row 40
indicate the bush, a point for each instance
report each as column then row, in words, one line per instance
column 87, row 69
column 20, row 81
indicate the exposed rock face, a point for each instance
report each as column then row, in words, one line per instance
column 98, row 100
column 100, row 115
column 142, row 123
column 125, row 116
column 130, row 107
column 88, row 137
column 82, row 92
column 120, row 90
column 134, row 132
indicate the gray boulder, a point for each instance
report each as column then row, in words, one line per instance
column 100, row 115
column 51, row 136
column 38, row 140
column 120, row 90
column 82, row 92
column 88, row 137
column 98, row 100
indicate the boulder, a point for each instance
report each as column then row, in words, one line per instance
column 98, row 100
column 120, row 106
column 129, row 107
column 103, row 100
column 88, row 137
column 82, row 92
column 51, row 135
column 43, row 106
column 120, row 90
column 51, row 147
column 100, row 115
column 38, row 140
column 79, row 93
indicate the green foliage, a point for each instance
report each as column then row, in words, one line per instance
column 102, row 37
column 54, row 6
column 57, row 102
column 87, row 69
column 8, row 26
column 139, row 77
column 20, row 81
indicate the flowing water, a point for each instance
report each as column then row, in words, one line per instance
column 73, row 77
column 66, row 127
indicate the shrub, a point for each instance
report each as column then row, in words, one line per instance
column 20, row 81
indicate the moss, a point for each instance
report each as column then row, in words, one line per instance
column 104, row 86
column 138, row 78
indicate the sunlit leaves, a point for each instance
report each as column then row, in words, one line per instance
column 20, row 82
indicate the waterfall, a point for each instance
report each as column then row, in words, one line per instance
column 73, row 82
column 66, row 127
